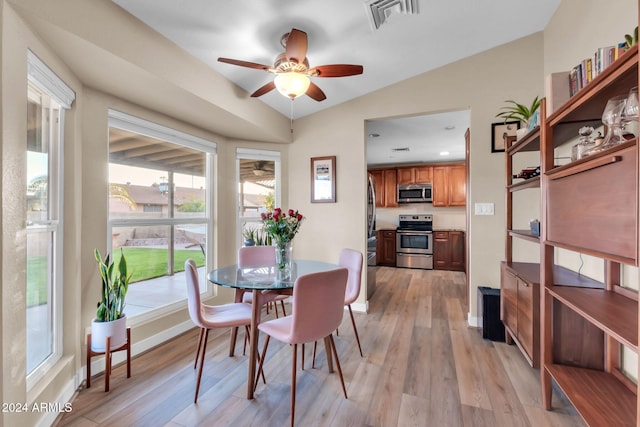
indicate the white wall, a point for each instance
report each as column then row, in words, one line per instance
column 480, row 83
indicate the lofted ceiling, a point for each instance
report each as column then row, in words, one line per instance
column 415, row 36
column 406, row 38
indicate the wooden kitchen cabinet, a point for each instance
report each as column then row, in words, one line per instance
column 448, row 250
column 385, row 183
column 449, row 185
column 415, row 175
column 378, row 184
column 390, row 188
column 386, row 248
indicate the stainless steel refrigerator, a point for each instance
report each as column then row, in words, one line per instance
column 371, row 235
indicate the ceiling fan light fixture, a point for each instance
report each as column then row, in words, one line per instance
column 292, row 85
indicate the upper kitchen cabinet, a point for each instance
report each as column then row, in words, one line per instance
column 449, row 185
column 378, row 183
column 415, row 175
column 385, row 182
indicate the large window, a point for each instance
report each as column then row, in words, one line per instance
column 47, row 97
column 258, row 174
column 159, row 208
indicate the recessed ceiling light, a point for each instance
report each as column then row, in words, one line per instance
column 444, row 153
column 450, row 127
column 374, row 135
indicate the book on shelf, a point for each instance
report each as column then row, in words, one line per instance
column 589, row 68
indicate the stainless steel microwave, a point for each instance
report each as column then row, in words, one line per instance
column 414, row 193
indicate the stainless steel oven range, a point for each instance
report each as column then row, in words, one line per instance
column 414, row 241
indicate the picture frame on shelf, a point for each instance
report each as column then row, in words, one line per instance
column 498, row 133
column 323, row 179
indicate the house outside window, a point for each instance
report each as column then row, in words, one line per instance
column 159, row 209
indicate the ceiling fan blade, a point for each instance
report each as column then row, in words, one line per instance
column 264, row 89
column 244, row 64
column 336, row 70
column 296, row 46
column 315, row 93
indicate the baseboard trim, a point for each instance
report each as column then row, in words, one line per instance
column 473, row 321
column 360, row 307
column 66, row 396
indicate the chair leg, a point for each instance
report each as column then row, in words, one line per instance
column 232, row 344
column 246, row 340
column 204, row 350
column 195, row 363
column 283, row 310
column 355, row 330
column 275, row 307
column 258, row 358
column 302, row 355
column 313, row 360
column 264, row 356
column 335, row 354
column 293, row 383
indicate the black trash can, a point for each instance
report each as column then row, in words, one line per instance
column 489, row 313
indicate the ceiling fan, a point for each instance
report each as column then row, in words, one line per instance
column 292, row 71
column 260, row 168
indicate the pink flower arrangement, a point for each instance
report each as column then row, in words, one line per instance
column 281, row 226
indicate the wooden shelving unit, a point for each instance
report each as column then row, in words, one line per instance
column 590, row 206
column 520, row 281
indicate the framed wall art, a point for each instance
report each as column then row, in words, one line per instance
column 501, row 130
column 323, row 179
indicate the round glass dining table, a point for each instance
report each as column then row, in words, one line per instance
column 265, row 278
column 263, row 281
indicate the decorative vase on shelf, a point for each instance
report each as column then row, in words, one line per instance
column 522, row 132
column 284, row 258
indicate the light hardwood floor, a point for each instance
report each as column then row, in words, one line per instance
column 422, row 366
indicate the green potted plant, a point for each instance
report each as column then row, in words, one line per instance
column 519, row 112
column 110, row 320
column 249, row 235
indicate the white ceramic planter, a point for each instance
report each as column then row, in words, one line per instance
column 116, row 329
column 520, row 133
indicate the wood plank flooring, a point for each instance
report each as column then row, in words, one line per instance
column 422, row 366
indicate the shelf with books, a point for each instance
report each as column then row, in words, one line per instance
column 590, row 68
column 590, row 207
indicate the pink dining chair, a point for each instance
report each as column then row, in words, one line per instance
column 318, row 306
column 257, row 257
column 352, row 260
column 207, row 317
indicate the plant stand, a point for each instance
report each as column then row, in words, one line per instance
column 108, row 352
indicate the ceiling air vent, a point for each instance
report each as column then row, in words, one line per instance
column 380, row 10
column 396, row 150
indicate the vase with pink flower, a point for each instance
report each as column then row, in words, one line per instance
column 282, row 227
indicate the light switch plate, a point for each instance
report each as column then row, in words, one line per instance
column 484, row 208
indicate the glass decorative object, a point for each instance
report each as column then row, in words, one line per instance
column 284, row 258
column 585, row 143
column 613, row 118
column 631, row 114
